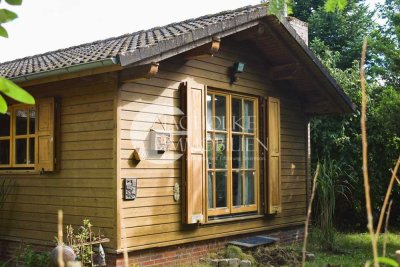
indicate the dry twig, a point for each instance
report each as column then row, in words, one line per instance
column 365, row 154
column 386, row 229
column 385, row 202
column 60, row 259
column 303, row 262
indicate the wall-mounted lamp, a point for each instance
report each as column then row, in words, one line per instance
column 238, row 67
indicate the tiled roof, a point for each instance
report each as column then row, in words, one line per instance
column 132, row 44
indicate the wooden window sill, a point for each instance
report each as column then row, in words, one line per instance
column 250, row 217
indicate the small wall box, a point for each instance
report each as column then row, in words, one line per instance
column 160, row 140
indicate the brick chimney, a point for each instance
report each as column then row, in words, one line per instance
column 300, row 27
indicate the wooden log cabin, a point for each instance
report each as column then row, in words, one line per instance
column 173, row 141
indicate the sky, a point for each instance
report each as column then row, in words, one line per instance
column 46, row 25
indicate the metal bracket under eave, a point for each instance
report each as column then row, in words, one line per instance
column 140, row 72
column 204, row 50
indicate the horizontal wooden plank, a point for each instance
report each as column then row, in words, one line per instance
column 150, row 90
column 61, row 182
column 87, row 145
column 51, row 226
column 88, row 154
column 151, row 108
column 148, row 117
column 87, row 117
column 107, row 105
column 66, row 191
column 206, row 231
column 63, row 200
column 53, row 209
column 129, row 128
column 154, row 229
column 150, row 99
column 70, row 219
column 87, row 136
column 149, row 202
column 87, row 126
column 150, row 173
column 87, row 163
column 150, row 211
column 94, row 97
column 152, row 163
column 150, row 220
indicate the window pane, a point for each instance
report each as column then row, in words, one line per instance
column 220, row 153
column 237, row 188
column 20, row 151
column 5, row 124
column 4, row 152
column 209, row 112
column 249, row 119
column 249, row 188
column 31, row 151
column 210, row 190
column 32, row 118
column 221, row 189
column 237, row 151
column 210, row 156
column 249, row 152
column 21, row 122
column 236, row 115
column 220, row 112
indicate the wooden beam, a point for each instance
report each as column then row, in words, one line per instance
column 140, row 72
column 205, row 50
column 254, row 32
column 284, row 72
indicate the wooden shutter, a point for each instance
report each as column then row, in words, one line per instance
column 273, row 183
column 193, row 96
column 45, row 109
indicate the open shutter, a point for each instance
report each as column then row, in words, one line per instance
column 193, row 96
column 45, row 134
column 274, row 202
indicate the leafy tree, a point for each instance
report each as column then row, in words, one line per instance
column 386, row 44
column 342, row 31
column 7, row 87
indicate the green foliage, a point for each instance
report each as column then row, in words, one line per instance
column 333, row 5
column 385, row 45
column 388, row 261
column 353, row 249
column 33, row 259
column 236, row 252
column 15, row 92
column 80, row 240
column 338, row 137
column 342, row 32
column 14, row 2
column 28, row 258
column 7, row 16
column 7, row 87
column 334, row 181
column 279, row 8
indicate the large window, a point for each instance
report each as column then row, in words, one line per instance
column 232, row 171
column 18, row 137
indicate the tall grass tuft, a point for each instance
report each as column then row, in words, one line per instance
column 331, row 184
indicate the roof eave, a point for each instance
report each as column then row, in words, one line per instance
column 66, row 70
column 347, row 105
column 185, row 42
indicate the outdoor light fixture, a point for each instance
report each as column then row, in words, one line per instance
column 238, row 67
